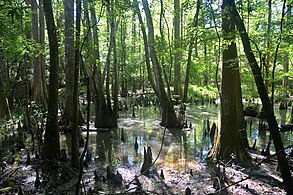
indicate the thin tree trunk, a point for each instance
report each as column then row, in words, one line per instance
column 146, row 49
column 108, row 59
column 115, row 67
column 38, row 88
column 123, row 58
column 75, row 129
column 177, row 48
column 273, row 125
column 268, row 46
column 3, row 86
column 285, row 78
column 42, row 55
column 103, row 118
column 51, row 147
column 163, row 48
column 190, row 48
column 169, row 118
column 68, row 115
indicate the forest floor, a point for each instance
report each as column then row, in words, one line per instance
column 200, row 179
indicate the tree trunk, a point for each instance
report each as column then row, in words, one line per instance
column 268, row 41
column 189, row 55
column 273, row 125
column 75, row 129
column 38, row 88
column 163, row 48
column 42, row 55
column 103, row 118
column 146, row 49
column 169, row 118
column 51, row 147
column 177, row 48
column 67, row 116
column 3, row 86
column 228, row 141
column 115, row 66
column 285, row 78
column 123, row 58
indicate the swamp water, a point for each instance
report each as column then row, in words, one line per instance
column 182, row 154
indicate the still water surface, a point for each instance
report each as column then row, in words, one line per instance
column 179, row 146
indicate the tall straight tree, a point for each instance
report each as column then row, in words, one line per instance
column 146, row 48
column 169, row 118
column 3, row 86
column 123, row 53
column 67, row 116
column 228, row 141
column 163, row 47
column 74, row 144
column 114, row 25
column 103, row 117
column 38, row 84
column 262, row 91
column 51, row 147
column 268, row 41
column 177, row 47
column 190, row 49
column 42, row 54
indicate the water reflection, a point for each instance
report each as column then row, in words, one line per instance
column 104, row 146
column 124, row 145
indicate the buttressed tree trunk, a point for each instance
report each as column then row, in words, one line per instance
column 169, row 118
column 267, row 106
column 51, row 147
column 228, row 141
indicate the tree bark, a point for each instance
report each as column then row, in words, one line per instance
column 67, row 116
column 3, row 86
column 123, row 57
column 38, row 88
column 273, row 125
column 51, row 147
column 75, row 129
column 115, row 66
column 177, row 48
column 285, row 78
column 163, row 48
column 268, row 46
column 42, row 54
column 228, row 141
